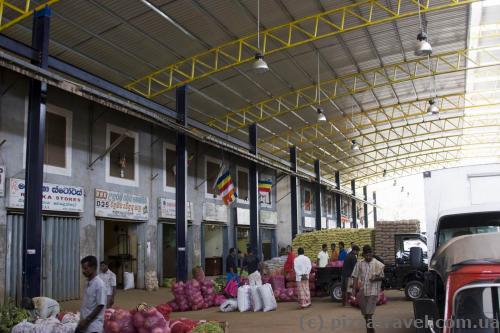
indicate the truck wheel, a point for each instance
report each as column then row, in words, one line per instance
column 414, row 290
column 336, row 292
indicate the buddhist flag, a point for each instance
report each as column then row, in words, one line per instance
column 226, row 187
column 265, row 186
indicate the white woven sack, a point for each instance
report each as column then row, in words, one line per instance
column 128, row 279
column 267, row 296
column 229, row 305
column 256, row 299
column 244, row 299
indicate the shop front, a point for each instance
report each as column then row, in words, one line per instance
column 121, row 233
column 242, row 231
column 214, row 238
column 166, row 229
column 62, row 206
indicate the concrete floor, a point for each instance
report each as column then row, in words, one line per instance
column 323, row 316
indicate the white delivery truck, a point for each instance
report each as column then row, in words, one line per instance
column 459, row 190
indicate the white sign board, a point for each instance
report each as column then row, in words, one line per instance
column 2, row 180
column 309, row 222
column 119, row 205
column 214, row 213
column 60, row 198
column 332, row 224
column 268, row 217
column 243, row 216
column 166, row 209
column 323, row 223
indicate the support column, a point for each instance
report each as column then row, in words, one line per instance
column 365, row 206
column 338, row 202
column 317, row 194
column 32, row 245
column 254, row 194
column 354, row 214
column 374, row 207
column 180, row 186
column 293, row 192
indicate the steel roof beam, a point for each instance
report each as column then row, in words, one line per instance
column 443, row 63
column 13, row 12
column 282, row 37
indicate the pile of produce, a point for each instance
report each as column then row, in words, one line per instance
column 10, row 315
column 148, row 319
column 274, row 266
column 67, row 324
column 165, row 310
column 168, row 282
column 311, row 241
column 219, row 284
column 198, row 293
column 209, row 327
column 118, row 321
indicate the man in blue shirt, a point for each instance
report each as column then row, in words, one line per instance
column 342, row 251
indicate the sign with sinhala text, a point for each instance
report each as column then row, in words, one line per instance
column 2, row 180
column 60, row 198
column 268, row 217
column 166, row 209
column 120, row 205
column 214, row 213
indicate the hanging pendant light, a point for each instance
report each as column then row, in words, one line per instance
column 259, row 65
column 432, row 109
column 321, row 115
column 423, row 48
column 355, row 147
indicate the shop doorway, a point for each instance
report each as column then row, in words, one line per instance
column 269, row 246
column 169, row 251
column 242, row 242
column 121, row 246
column 214, row 248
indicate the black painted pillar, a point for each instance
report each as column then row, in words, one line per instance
column 338, row 200
column 374, row 207
column 317, row 194
column 354, row 211
column 293, row 192
column 365, row 206
column 254, row 194
column 32, row 244
column 180, row 186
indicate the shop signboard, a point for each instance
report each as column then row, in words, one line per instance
column 214, row 213
column 166, row 209
column 309, row 222
column 332, row 224
column 55, row 197
column 2, row 180
column 118, row 205
column 268, row 217
column 242, row 216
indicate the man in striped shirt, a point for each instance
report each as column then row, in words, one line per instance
column 368, row 275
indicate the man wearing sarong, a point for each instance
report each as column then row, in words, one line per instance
column 368, row 275
column 302, row 266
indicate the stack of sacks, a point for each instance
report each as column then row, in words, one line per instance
column 119, row 321
column 208, row 292
column 384, row 236
column 193, row 293
column 311, row 241
column 180, row 302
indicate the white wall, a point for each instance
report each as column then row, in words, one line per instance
column 213, row 241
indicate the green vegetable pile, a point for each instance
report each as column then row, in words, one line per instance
column 219, row 284
column 11, row 315
column 209, row 327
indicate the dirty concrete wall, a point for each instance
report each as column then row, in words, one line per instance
column 88, row 142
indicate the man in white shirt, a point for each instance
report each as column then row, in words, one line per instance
column 109, row 279
column 41, row 307
column 350, row 248
column 323, row 256
column 94, row 299
column 302, row 267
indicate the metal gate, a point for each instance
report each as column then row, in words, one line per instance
column 60, row 257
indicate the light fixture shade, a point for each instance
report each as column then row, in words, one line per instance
column 321, row 115
column 355, row 146
column 432, row 109
column 259, row 65
column 423, row 47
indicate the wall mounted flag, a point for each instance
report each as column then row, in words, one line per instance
column 226, row 187
column 265, row 186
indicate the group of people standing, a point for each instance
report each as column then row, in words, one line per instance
column 250, row 263
column 362, row 278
